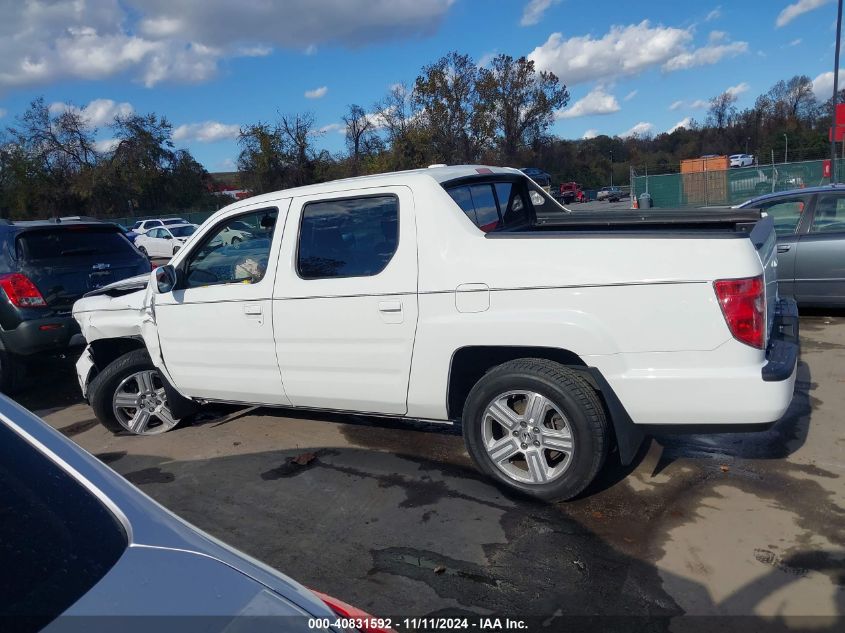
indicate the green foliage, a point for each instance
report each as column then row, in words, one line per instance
column 49, row 166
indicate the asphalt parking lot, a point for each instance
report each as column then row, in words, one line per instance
column 394, row 519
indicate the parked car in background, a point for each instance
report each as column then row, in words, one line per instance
column 810, row 227
column 81, row 542
column 741, row 160
column 440, row 294
column 142, row 226
column 571, row 192
column 129, row 233
column 539, row 176
column 164, row 241
column 44, row 267
column 610, row 194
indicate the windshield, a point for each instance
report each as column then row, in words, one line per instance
column 182, row 231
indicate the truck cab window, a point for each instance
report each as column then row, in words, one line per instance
column 235, row 251
column 350, row 237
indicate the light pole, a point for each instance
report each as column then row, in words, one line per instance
column 786, row 149
column 611, row 168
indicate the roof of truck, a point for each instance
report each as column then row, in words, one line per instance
column 439, row 173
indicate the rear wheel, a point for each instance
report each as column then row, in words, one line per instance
column 537, row 427
column 129, row 396
column 143, row 250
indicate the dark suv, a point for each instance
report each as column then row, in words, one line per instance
column 44, row 267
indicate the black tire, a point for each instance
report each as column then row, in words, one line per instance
column 236, row 240
column 13, row 373
column 143, row 251
column 571, row 394
column 101, row 389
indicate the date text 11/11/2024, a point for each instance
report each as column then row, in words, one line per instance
column 420, row 624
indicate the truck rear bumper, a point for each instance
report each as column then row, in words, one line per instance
column 718, row 388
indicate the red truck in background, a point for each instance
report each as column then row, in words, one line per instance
column 571, row 192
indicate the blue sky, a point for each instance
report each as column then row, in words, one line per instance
column 212, row 65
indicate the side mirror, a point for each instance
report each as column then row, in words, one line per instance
column 165, row 277
column 168, row 237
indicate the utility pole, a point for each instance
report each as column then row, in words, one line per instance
column 786, row 149
column 835, row 95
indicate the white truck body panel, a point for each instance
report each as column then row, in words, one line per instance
column 642, row 310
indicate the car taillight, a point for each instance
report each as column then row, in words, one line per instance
column 743, row 302
column 21, row 291
column 370, row 624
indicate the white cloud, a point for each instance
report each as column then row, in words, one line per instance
column 98, row 112
column 626, row 50
column 699, row 104
column 630, row 95
column 640, row 129
column 154, row 41
column 715, row 14
column 317, row 93
column 738, row 89
column 333, row 127
column 677, row 105
column 106, row 145
column 685, row 123
column 596, row 101
column 792, row 11
column 2, row 112
column 717, row 36
column 823, row 84
column 591, row 133
column 795, row 42
column 534, row 10
column 311, row 49
column 486, row 58
column 206, row 132
column 705, row 55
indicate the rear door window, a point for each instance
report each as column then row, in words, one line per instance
column 71, row 241
column 492, row 205
column 57, row 540
column 829, row 216
column 349, row 237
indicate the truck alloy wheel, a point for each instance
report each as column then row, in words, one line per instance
column 537, row 427
column 140, row 404
column 527, row 437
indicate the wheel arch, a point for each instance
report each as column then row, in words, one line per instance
column 469, row 364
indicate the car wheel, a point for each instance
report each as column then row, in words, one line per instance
column 143, row 251
column 12, row 373
column 536, row 427
column 128, row 397
column 236, row 240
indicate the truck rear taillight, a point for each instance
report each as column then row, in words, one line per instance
column 743, row 302
column 21, row 291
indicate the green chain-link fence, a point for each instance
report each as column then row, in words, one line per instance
column 732, row 186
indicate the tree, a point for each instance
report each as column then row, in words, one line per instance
column 518, row 102
column 359, row 127
column 408, row 144
column 446, row 94
column 261, row 161
column 721, row 110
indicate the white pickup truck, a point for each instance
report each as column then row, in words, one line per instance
column 463, row 294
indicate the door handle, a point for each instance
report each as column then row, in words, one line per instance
column 783, row 248
column 252, row 309
column 390, row 306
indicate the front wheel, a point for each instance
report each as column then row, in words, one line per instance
column 129, row 396
column 143, row 251
column 537, row 427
